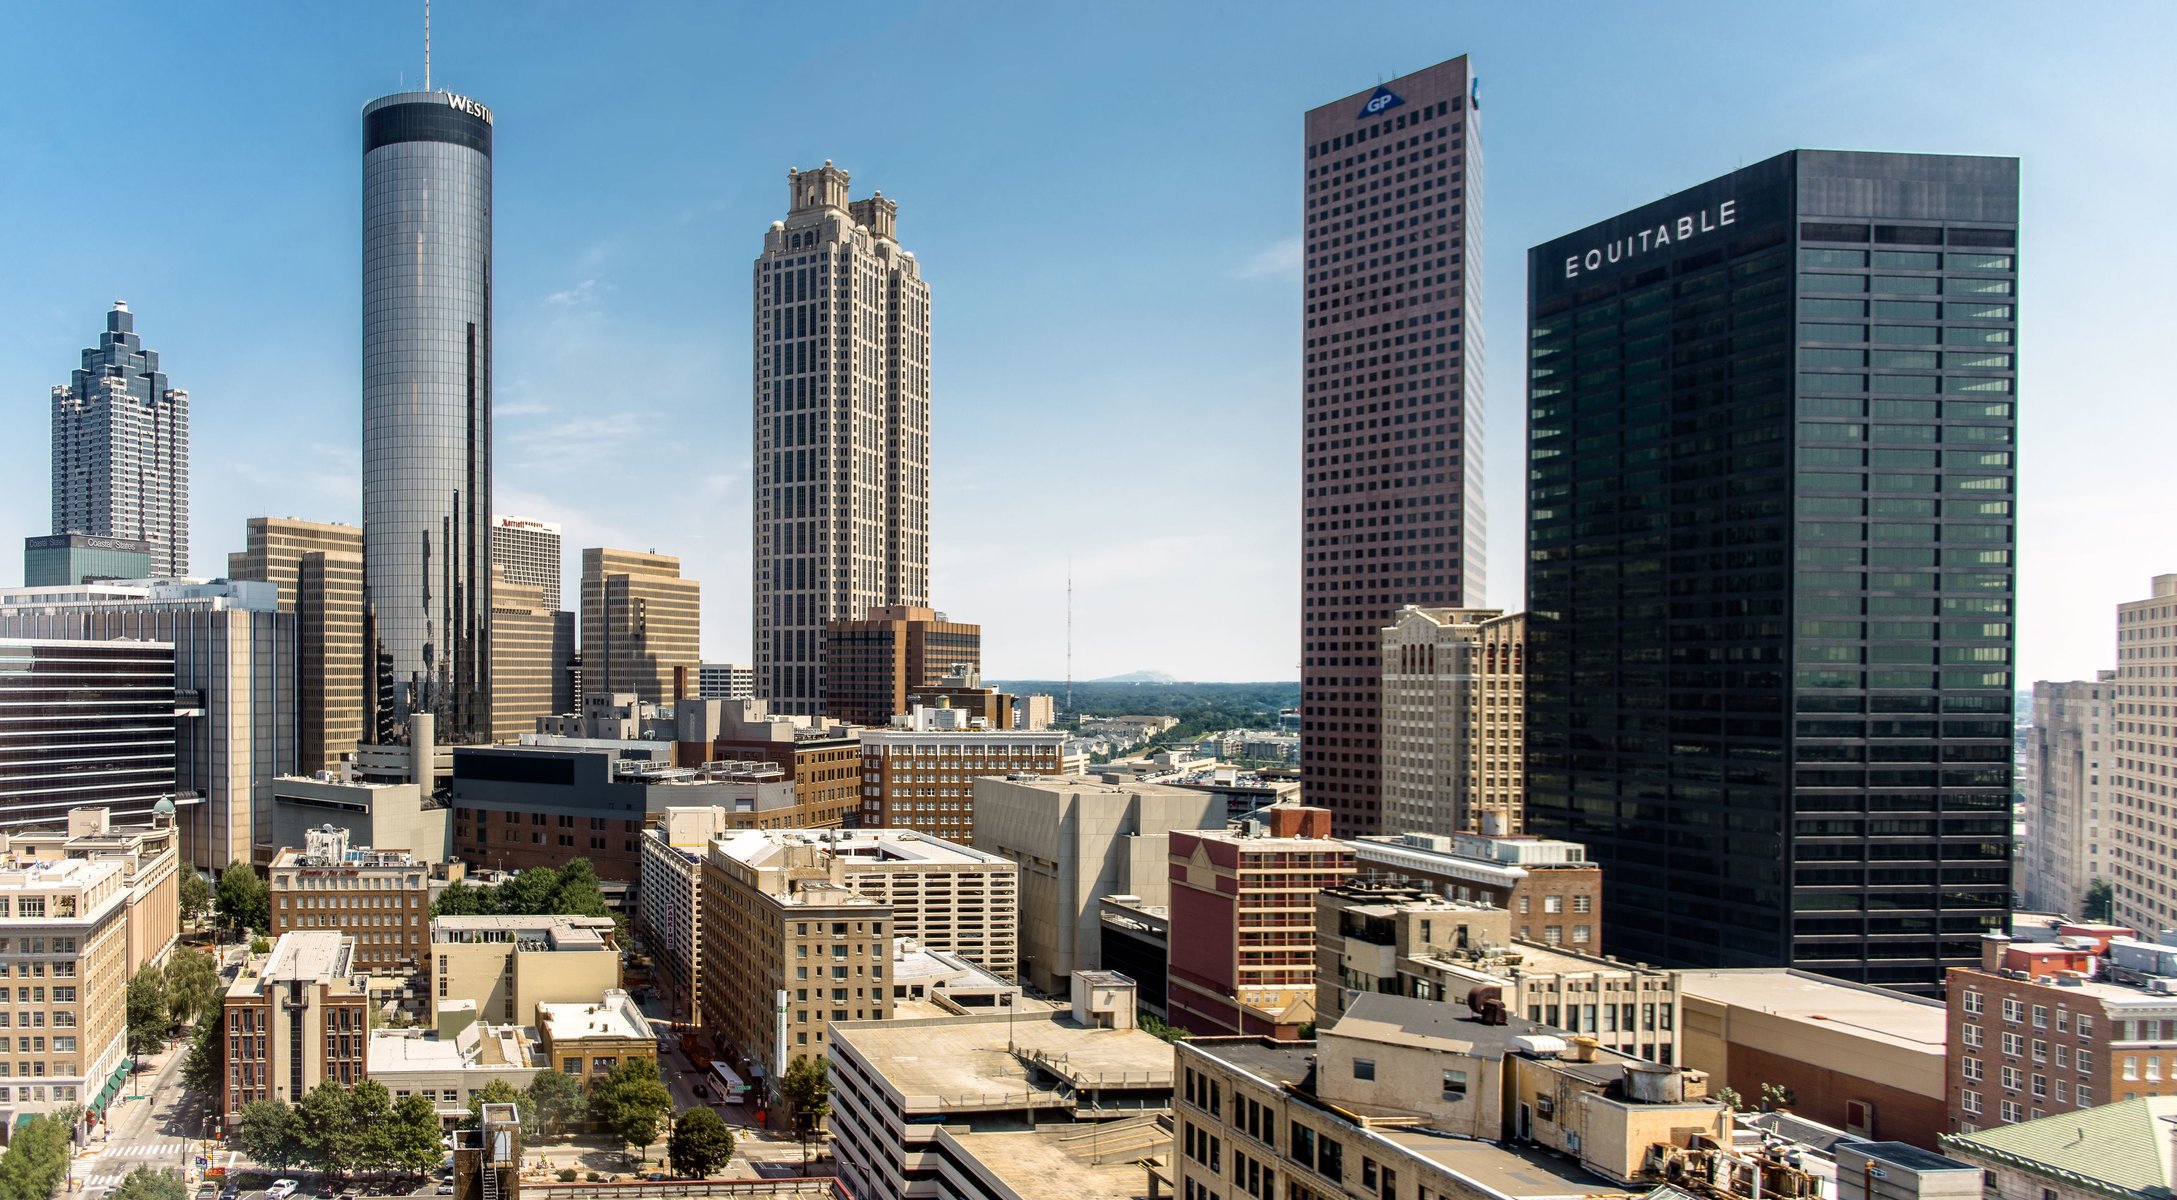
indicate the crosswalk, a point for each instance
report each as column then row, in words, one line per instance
column 160, row 1153
column 144, row 1150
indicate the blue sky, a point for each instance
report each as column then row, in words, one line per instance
column 1106, row 201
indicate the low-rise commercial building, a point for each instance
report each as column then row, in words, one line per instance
column 450, row 1064
column 2118, row 1151
column 1077, row 840
column 1550, row 887
column 381, row 898
column 1867, row 1060
column 510, row 965
column 950, row 1107
column 296, row 1017
column 922, row 772
column 588, row 1040
column 1243, row 921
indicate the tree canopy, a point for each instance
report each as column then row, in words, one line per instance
column 244, row 901
column 203, row 1067
column 557, row 1099
column 571, row 890
column 36, row 1160
column 150, row 1019
column 196, row 895
column 702, row 1145
column 341, row 1130
column 150, row 1183
column 632, row 1102
column 806, row 1088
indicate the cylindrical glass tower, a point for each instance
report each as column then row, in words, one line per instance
column 427, row 412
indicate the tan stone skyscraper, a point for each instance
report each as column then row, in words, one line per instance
column 640, row 620
column 1454, row 721
column 842, row 429
column 319, row 570
column 523, row 665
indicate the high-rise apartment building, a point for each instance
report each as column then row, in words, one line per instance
column 1391, row 405
column 873, row 664
column 725, row 681
column 1243, row 921
column 1769, row 582
column 111, row 742
column 121, row 448
column 229, row 701
column 842, row 429
column 319, row 569
column 528, row 552
column 641, row 622
column 2143, row 837
column 2066, row 848
column 1455, row 721
column 427, row 413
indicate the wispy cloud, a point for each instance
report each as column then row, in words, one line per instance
column 1276, row 260
column 581, row 295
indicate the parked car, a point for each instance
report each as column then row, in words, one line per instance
column 702, row 1092
column 281, row 1189
column 230, row 1192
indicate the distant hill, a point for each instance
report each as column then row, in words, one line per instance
column 1137, row 677
column 1198, row 706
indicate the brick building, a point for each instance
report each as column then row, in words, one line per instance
column 922, row 774
column 381, row 898
column 295, row 1018
column 1550, row 887
column 872, row 666
column 1243, row 921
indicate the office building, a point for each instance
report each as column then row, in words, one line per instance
column 921, row 773
column 528, row 552
column 121, row 449
column 641, row 624
column 450, row 1063
column 380, row 898
column 2119, row 1151
column 1136, row 939
column 2144, row 837
column 1391, row 484
column 587, row 1040
column 526, row 671
column 1454, row 721
column 1243, row 921
column 725, row 681
column 1771, row 691
column 1050, row 1100
column 386, row 813
column 1550, row 887
column 778, row 920
column 71, row 558
column 873, row 663
column 1077, row 841
column 149, row 854
column 427, row 413
column 821, row 759
column 2043, row 1027
column 510, row 965
column 1489, row 1107
column 115, row 750
column 319, row 570
column 1866, row 1060
column 233, row 693
column 2068, row 848
column 841, row 429
column 293, row 1019
column 73, row 1048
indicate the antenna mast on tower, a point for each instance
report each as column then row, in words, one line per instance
column 1069, row 634
column 427, row 45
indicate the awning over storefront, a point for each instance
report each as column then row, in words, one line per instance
column 106, row 1091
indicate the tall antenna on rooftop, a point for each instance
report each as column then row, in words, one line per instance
column 1069, row 633
column 427, row 45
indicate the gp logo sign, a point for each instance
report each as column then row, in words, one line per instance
column 1383, row 101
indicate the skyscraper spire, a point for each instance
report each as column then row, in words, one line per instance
column 121, row 448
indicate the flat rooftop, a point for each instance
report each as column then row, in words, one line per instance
column 1431, row 1024
column 1059, row 1162
column 962, row 1063
column 615, row 1016
column 1525, row 1173
column 561, row 931
column 1268, row 1060
column 856, row 847
column 1891, row 1018
column 311, row 955
column 476, row 1046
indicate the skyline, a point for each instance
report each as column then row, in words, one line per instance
column 1079, row 291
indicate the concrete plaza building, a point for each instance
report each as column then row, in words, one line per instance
column 2068, row 845
column 427, row 413
column 1391, row 484
column 1771, row 693
column 841, row 429
column 121, row 449
column 1454, row 721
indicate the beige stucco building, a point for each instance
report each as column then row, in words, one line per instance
column 510, row 965
column 1454, row 721
column 64, row 924
column 1077, row 840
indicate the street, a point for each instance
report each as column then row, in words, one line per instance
column 143, row 1132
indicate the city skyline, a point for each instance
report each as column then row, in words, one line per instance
column 588, row 290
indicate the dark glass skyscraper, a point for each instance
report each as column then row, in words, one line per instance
column 1770, row 517
column 1391, row 403
column 427, row 412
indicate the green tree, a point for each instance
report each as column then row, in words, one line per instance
column 196, row 895
column 499, row 1091
column 2101, row 901
column 558, row 1100
column 244, row 902
column 193, row 986
column 331, row 1141
column 203, row 1069
column 530, row 892
column 150, row 1183
column 270, row 1132
column 370, row 1115
column 260, row 945
column 702, row 1145
column 632, row 1102
column 414, row 1143
column 806, row 1088
column 36, row 1160
column 150, row 1019
column 464, row 899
